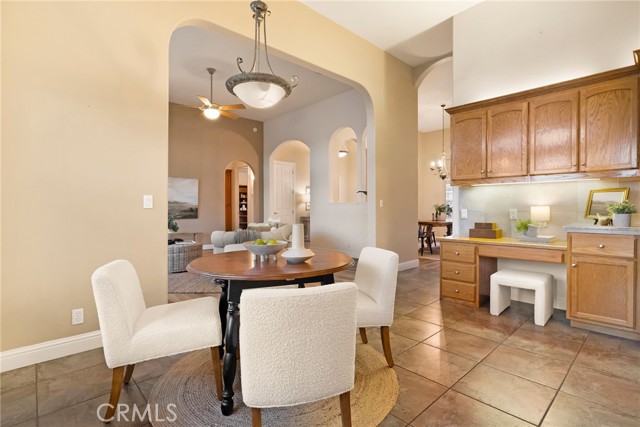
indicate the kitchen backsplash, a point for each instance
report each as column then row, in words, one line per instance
column 568, row 202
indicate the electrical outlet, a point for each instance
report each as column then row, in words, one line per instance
column 381, row 203
column 77, row 316
column 513, row 213
column 463, row 213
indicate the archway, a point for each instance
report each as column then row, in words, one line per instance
column 239, row 200
column 290, row 198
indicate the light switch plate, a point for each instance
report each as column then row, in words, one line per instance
column 147, row 201
column 513, row 213
column 463, row 213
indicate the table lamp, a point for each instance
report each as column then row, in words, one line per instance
column 540, row 215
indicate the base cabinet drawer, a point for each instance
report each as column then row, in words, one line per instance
column 460, row 252
column 603, row 245
column 464, row 291
column 458, row 271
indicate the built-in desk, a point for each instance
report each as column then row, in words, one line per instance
column 467, row 263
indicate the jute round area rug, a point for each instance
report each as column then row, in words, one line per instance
column 185, row 397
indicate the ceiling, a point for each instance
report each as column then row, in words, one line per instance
column 416, row 32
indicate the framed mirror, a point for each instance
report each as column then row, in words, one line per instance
column 601, row 198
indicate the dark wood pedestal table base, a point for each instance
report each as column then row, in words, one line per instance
column 242, row 271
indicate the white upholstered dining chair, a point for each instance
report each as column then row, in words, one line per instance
column 297, row 346
column 376, row 278
column 133, row 333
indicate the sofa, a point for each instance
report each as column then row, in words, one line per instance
column 220, row 239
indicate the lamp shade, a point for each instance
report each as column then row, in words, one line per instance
column 540, row 213
column 259, row 94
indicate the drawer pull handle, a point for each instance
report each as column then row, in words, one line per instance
column 457, row 291
column 457, row 253
column 457, row 272
column 574, row 265
column 601, row 246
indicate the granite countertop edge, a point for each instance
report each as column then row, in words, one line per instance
column 601, row 229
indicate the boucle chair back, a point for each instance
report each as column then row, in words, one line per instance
column 119, row 301
column 377, row 277
column 297, row 345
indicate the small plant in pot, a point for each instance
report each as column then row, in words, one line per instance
column 442, row 209
column 523, row 225
column 621, row 213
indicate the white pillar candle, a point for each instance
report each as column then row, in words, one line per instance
column 297, row 239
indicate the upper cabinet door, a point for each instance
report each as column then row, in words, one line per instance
column 553, row 133
column 507, row 140
column 608, row 126
column 468, row 145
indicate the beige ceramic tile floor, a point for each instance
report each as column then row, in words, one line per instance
column 456, row 365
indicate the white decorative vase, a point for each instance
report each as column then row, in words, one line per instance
column 621, row 220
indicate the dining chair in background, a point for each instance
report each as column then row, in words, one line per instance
column 297, row 346
column 376, row 279
column 132, row 333
column 425, row 232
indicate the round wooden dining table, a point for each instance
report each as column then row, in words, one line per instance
column 241, row 270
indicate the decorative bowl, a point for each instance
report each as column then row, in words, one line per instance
column 297, row 256
column 265, row 250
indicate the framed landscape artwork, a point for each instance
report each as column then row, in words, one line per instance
column 183, row 198
column 600, row 199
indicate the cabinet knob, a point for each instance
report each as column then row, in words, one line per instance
column 583, row 164
column 601, row 246
column 457, row 253
column 574, row 265
column 481, row 171
column 457, row 291
column 489, row 171
column 457, row 272
column 574, row 164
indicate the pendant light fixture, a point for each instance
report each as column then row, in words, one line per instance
column 254, row 88
column 439, row 167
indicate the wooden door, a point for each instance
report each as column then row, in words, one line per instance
column 609, row 126
column 602, row 290
column 553, row 133
column 228, row 218
column 282, row 191
column 507, row 140
column 468, row 145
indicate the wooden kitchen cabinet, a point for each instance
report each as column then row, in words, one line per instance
column 602, row 282
column 609, row 125
column 489, row 143
column 581, row 128
column 553, row 133
column 464, row 275
column 468, row 145
column 507, row 140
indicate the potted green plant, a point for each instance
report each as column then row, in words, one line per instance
column 173, row 225
column 523, row 225
column 442, row 209
column 621, row 213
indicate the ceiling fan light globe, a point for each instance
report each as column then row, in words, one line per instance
column 211, row 113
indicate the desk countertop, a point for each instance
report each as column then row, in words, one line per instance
column 509, row 241
column 599, row 229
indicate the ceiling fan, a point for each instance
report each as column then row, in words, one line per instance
column 212, row 111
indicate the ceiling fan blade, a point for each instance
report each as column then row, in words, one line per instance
column 189, row 106
column 204, row 100
column 232, row 107
column 229, row 115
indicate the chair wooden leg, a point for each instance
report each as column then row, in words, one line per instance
column 116, row 387
column 345, row 408
column 363, row 335
column 386, row 345
column 128, row 373
column 256, row 417
column 217, row 373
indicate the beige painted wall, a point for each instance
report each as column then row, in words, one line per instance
column 202, row 149
column 430, row 186
column 74, row 171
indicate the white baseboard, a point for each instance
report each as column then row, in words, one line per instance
column 49, row 350
column 407, row 265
